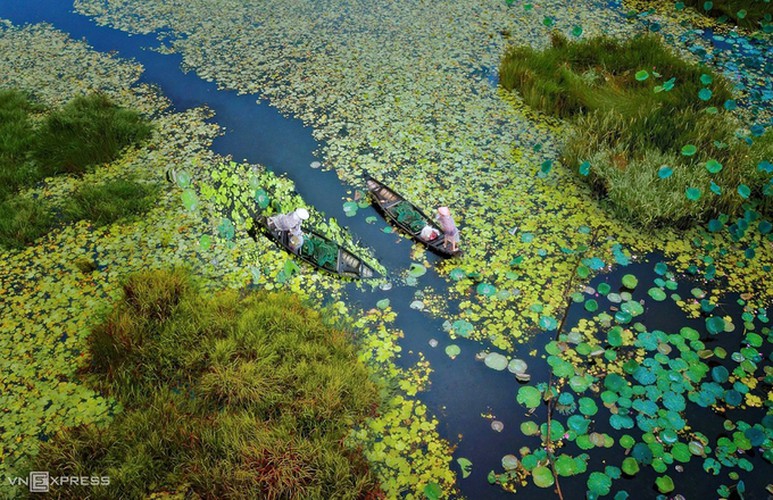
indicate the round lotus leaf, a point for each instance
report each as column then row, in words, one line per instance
column 189, row 199
column 681, row 452
column 704, row 94
column 719, row 374
column 565, row 466
column 713, row 166
column 457, row 274
column 668, row 436
column 453, row 351
column 529, row 396
column 665, row 484
column 529, row 428
column 630, row 281
column 615, row 298
column 623, row 317
column 599, row 483
column 543, row 477
column 417, row 270
column 517, row 366
column 496, row 361
column 462, row 328
column 689, row 333
column 696, row 448
column 733, row 398
column 578, row 424
column 588, row 407
column 548, row 323
column 642, row 453
column 486, row 289
column 657, row 294
column 692, row 194
column 715, row 324
column 382, row 304
column 510, row 462
column 664, row 172
column 689, row 150
column 615, row 337
column 529, row 462
column 579, row 384
column 626, row 441
column 591, row 305
column 630, row 466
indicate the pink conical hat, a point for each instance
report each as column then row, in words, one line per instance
column 444, row 211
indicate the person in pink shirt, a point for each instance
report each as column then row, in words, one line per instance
column 447, row 224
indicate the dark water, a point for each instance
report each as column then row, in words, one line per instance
column 461, row 389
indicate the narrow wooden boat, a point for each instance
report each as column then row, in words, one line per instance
column 406, row 216
column 319, row 251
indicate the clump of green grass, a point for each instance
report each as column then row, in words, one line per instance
column 87, row 131
column 23, row 220
column 224, row 396
column 108, row 202
column 634, row 106
column 17, row 140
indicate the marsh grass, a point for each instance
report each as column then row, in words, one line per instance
column 87, row 131
column 627, row 131
column 23, row 220
column 225, row 396
column 17, row 140
column 36, row 143
column 110, row 201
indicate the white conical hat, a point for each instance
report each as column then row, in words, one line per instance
column 302, row 213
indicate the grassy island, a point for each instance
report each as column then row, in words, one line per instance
column 651, row 132
column 235, row 395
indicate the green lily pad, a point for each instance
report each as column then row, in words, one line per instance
column 642, row 75
column 462, row 328
column 486, row 289
column 713, row 166
column 417, row 270
column 495, row 361
column 630, row 466
column 599, row 483
column 382, row 304
column 657, row 294
column 630, row 281
column 453, row 351
column 704, row 94
column 529, row 428
column 529, row 396
column 510, row 462
column 543, row 477
column 465, row 465
column 433, row 491
column 692, row 193
column 591, row 305
column 689, row 149
column 665, row 484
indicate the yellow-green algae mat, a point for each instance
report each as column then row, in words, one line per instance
column 388, row 87
column 48, row 304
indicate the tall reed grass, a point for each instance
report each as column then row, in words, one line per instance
column 224, row 396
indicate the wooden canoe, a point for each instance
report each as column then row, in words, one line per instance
column 344, row 262
column 391, row 205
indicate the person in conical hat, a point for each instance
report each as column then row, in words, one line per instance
column 447, row 224
column 291, row 223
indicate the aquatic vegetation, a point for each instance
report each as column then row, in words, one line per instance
column 52, row 290
column 108, row 202
column 23, row 220
column 229, row 393
column 634, row 139
column 85, row 132
column 647, row 380
column 751, row 14
column 18, row 137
